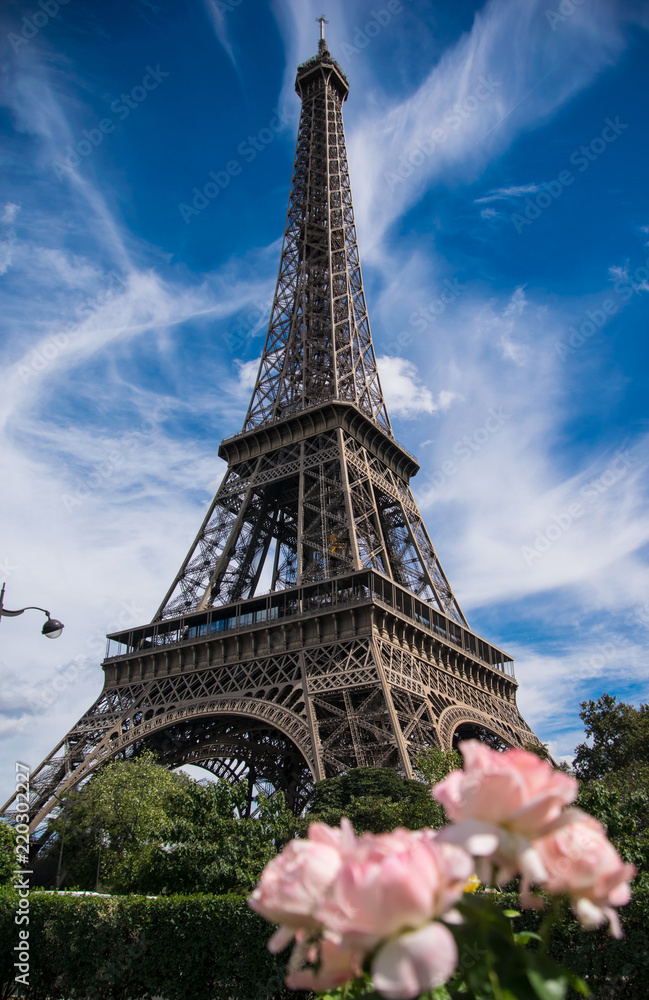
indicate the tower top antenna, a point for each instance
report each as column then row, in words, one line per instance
column 322, row 21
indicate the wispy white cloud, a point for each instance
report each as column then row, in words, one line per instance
column 247, row 374
column 104, row 479
column 504, row 437
column 217, row 13
column 552, row 685
column 508, row 74
column 505, row 193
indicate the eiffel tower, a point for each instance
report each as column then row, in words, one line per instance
column 311, row 627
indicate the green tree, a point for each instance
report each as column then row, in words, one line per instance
column 207, row 846
column 435, row 764
column 619, row 735
column 376, row 799
column 137, row 827
column 120, row 811
column 8, row 863
column 432, row 766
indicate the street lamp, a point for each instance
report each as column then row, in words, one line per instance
column 52, row 627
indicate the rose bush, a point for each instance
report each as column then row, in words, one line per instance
column 388, row 911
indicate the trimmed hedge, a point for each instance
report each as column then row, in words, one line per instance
column 614, row 970
column 135, row 948
column 214, row 948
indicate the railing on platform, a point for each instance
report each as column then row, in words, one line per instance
column 364, row 586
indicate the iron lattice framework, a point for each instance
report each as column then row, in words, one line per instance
column 311, row 627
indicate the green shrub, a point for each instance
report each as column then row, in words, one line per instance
column 133, row 947
column 614, row 970
column 214, row 948
column 375, row 799
column 7, row 853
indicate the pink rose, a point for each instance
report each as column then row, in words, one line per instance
column 337, row 965
column 392, row 882
column 292, row 884
column 580, row 860
column 499, row 803
column 415, row 963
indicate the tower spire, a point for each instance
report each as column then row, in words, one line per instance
column 322, row 21
column 319, row 345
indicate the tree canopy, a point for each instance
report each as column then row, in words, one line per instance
column 137, row 827
column 619, row 735
column 379, row 799
column 613, row 771
column 8, row 862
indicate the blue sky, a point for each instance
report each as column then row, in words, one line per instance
column 498, row 160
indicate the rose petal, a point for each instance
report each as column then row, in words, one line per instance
column 477, row 837
column 415, row 963
column 281, row 939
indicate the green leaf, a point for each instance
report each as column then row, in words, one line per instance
column 511, row 913
column 524, row 937
column 546, row 988
column 580, row 986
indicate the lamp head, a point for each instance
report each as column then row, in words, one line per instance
column 52, row 628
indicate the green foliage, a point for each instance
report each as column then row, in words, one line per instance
column 614, row 774
column 435, row 764
column 137, row 827
column 490, row 969
column 214, row 948
column 133, row 948
column 621, row 802
column 122, row 810
column 208, row 848
column 620, row 738
column 375, row 799
column 7, row 853
column 496, row 960
column 614, row 970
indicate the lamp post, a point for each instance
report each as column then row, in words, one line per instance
column 52, row 627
